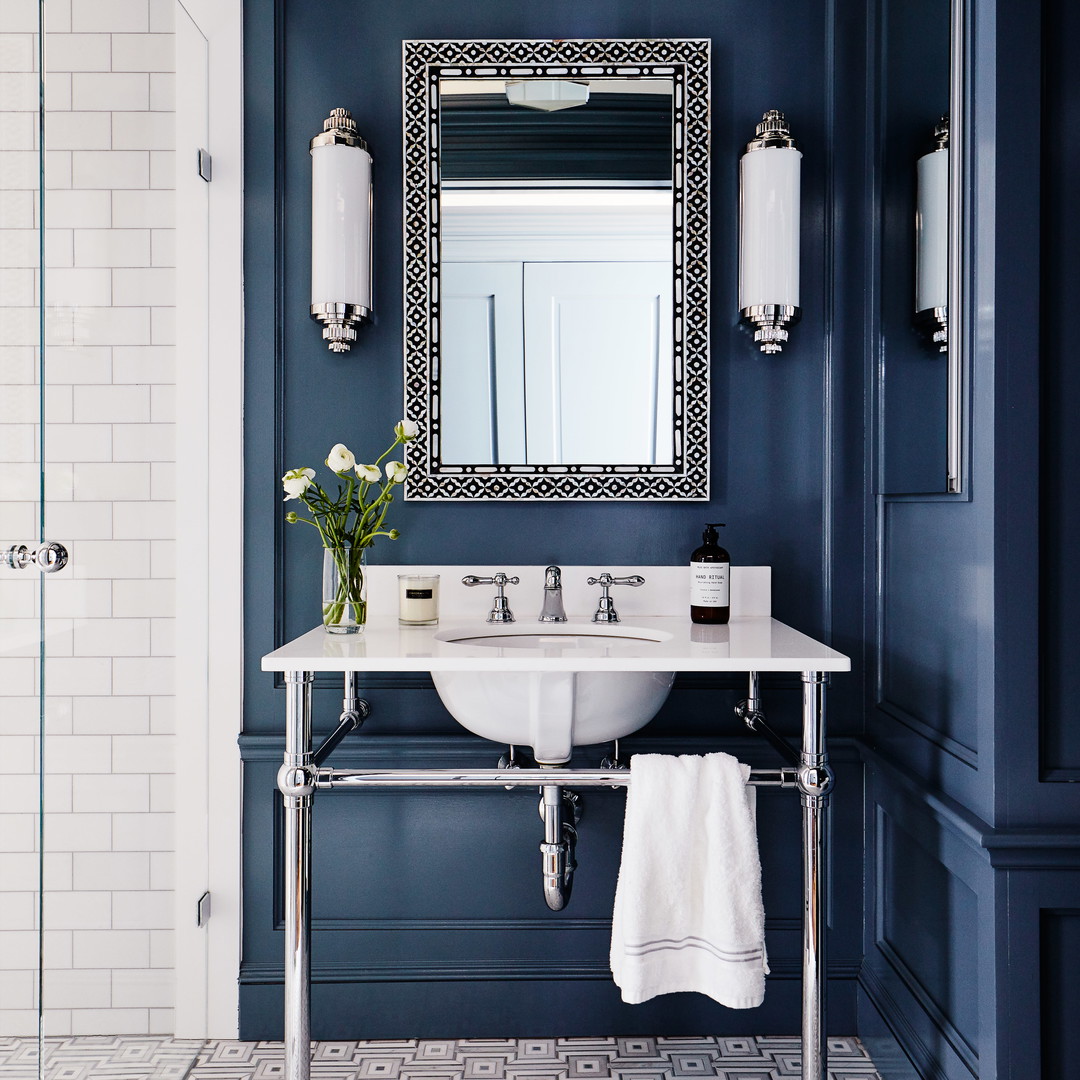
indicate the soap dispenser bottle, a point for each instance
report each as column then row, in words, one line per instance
column 710, row 574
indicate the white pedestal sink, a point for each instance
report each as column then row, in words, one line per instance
column 551, row 710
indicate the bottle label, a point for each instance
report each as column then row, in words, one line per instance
column 709, row 584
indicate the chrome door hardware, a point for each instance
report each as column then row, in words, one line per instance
column 48, row 558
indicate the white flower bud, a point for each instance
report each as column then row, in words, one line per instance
column 296, row 482
column 341, row 459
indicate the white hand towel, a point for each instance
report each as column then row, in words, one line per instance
column 688, row 912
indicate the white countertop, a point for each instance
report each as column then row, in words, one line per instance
column 751, row 641
column 755, row 643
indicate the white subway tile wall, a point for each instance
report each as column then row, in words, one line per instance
column 109, row 447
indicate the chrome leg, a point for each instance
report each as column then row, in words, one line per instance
column 296, row 783
column 753, row 691
column 815, row 783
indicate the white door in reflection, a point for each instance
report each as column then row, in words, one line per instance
column 597, row 384
column 598, row 339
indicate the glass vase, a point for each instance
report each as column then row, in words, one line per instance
column 344, row 590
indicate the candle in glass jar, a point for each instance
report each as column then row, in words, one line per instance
column 418, row 599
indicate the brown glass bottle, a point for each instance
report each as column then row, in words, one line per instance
column 710, row 574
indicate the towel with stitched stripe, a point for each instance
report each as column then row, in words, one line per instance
column 688, row 912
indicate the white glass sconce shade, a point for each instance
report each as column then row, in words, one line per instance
column 769, row 210
column 932, row 240
column 340, row 230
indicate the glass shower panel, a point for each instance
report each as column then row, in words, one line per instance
column 86, row 300
column 22, row 711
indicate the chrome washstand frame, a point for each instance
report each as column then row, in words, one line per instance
column 302, row 774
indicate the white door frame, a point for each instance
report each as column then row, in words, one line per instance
column 209, row 513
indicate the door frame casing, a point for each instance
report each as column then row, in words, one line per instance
column 209, row 518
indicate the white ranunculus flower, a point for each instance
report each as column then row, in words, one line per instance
column 370, row 474
column 341, row 459
column 406, row 430
column 396, row 471
column 296, row 482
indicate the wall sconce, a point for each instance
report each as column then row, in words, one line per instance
column 769, row 232
column 932, row 240
column 340, row 230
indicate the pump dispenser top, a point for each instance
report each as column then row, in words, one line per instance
column 710, row 573
column 711, row 536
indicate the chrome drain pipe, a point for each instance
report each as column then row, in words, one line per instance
column 557, row 850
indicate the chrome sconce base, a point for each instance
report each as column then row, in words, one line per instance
column 339, row 323
column 934, row 323
column 771, row 322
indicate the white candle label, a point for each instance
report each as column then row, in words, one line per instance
column 709, row 584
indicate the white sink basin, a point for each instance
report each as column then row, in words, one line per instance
column 550, row 710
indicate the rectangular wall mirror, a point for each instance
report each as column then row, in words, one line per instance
column 556, row 268
column 925, row 383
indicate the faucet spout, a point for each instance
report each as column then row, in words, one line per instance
column 553, row 610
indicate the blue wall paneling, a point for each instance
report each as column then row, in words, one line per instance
column 1060, row 391
column 971, row 725
column 789, row 477
column 972, row 695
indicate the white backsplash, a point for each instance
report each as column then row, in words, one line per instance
column 666, row 590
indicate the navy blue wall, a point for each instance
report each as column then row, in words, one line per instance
column 428, row 913
column 973, row 862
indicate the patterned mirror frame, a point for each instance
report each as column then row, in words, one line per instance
column 686, row 62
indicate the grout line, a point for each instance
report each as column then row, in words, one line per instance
column 195, row 1059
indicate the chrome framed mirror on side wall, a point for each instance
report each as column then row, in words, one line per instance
column 959, row 343
column 557, row 268
column 926, row 249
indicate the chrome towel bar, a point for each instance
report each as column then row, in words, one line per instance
column 484, row 778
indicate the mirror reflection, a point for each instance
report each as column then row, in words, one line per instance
column 915, row 96
column 556, row 217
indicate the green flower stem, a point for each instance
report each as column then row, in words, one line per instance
column 349, row 590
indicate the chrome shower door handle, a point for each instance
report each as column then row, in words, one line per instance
column 48, row 558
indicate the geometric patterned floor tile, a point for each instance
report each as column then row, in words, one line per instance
column 603, row 1058
column 100, row 1057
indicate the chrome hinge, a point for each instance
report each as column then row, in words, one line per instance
column 48, row 558
column 206, row 165
column 202, row 910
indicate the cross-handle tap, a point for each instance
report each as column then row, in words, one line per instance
column 500, row 610
column 553, row 610
column 606, row 612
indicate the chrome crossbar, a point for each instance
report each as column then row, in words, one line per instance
column 480, row 778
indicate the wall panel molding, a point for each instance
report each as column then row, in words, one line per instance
column 504, row 970
column 966, row 755
column 888, row 893
column 908, row 1040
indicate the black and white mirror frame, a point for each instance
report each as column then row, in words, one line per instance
column 686, row 63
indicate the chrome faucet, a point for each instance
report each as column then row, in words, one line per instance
column 553, row 610
column 606, row 612
column 500, row 609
